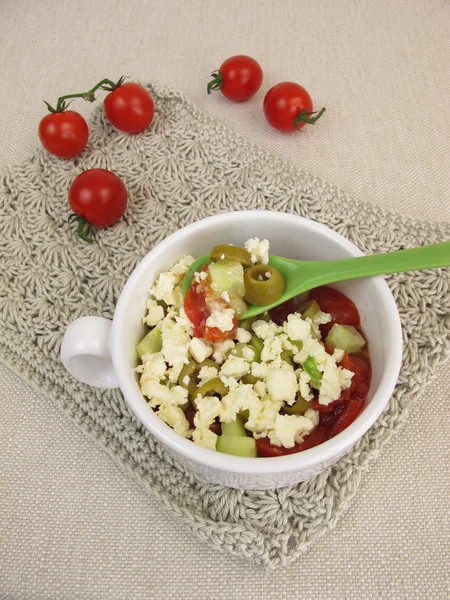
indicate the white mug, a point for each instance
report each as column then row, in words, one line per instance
column 102, row 353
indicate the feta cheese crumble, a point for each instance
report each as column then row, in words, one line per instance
column 258, row 249
column 222, row 319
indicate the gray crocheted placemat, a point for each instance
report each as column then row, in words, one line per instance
column 185, row 168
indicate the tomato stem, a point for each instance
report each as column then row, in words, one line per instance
column 84, row 230
column 216, row 82
column 305, row 117
column 89, row 96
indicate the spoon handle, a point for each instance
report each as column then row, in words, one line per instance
column 412, row 259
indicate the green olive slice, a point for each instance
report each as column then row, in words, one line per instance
column 212, row 387
column 228, row 251
column 263, row 285
column 299, row 407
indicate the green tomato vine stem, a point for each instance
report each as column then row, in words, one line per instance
column 306, row 117
column 89, row 96
column 84, row 230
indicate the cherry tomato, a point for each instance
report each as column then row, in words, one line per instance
column 129, row 108
column 289, row 107
column 341, row 308
column 64, row 134
column 98, row 196
column 238, row 78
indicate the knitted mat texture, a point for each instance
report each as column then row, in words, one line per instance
column 184, row 168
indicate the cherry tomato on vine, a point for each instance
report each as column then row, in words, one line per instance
column 63, row 134
column 239, row 78
column 129, row 107
column 288, row 107
column 97, row 197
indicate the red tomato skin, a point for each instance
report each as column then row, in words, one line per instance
column 129, row 108
column 266, row 450
column 242, row 77
column 64, row 134
column 341, row 308
column 99, row 196
column 283, row 103
column 197, row 312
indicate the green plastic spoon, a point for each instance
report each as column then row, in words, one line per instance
column 301, row 276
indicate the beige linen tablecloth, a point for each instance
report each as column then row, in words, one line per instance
column 72, row 524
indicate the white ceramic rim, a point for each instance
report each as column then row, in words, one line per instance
column 251, row 466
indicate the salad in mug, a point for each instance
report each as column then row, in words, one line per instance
column 270, row 385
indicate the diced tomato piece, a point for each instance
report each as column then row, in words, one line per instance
column 341, row 308
column 196, row 309
column 266, row 450
column 352, row 409
column 280, row 313
column 214, row 334
column 361, row 378
column 325, row 408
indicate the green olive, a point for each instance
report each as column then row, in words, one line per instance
column 250, row 379
column 247, row 323
column 287, row 355
column 257, row 344
column 299, row 407
column 188, row 370
column 228, row 251
column 260, row 289
column 208, row 363
column 212, row 387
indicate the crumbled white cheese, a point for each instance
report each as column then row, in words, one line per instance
column 186, row 380
column 207, row 373
column 155, row 314
column 243, row 336
column 334, row 379
column 282, row 384
column 338, row 355
column 221, row 349
column 272, row 349
column 175, row 342
column 182, row 266
column 258, row 249
column 225, row 296
column 313, row 415
column 164, row 286
column 260, row 370
column 154, row 367
column 174, row 416
column 264, row 329
column 303, row 386
column 205, row 437
column 290, row 429
column 222, row 319
column 240, row 398
column 260, row 388
column 296, row 328
column 262, row 418
column 159, row 394
column 199, row 349
column 230, row 382
column 248, row 353
column 235, row 366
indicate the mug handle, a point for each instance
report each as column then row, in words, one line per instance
column 85, row 352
